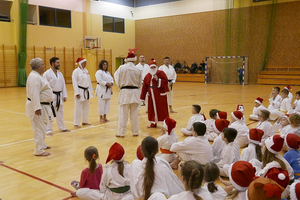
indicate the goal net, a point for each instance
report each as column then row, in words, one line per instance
column 226, row 70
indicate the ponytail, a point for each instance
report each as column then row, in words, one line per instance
column 269, row 157
column 149, row 148
column 258, row 152
column 194, row 182
column 211, row 173
column 212, row 187
column 121, row 168
column 91, row 155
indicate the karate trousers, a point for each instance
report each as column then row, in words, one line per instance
column 81, row 108
column 39, row 131
column 103, row 106
column 89, row 194
column 170, row 95
column 125, row 110
column 59, row 120
column 186, row 132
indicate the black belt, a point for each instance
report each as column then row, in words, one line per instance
column 129, row 87
column 170, row 81
column 106, row 88
column 57, row 98
column 120, row 189
column 171, row 85
column 85, row 90
column 46, row 103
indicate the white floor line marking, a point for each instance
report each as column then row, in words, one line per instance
column 13, row 112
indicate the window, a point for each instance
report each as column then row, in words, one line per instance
column 55, row 17
column 5, row 7
column 112, row 24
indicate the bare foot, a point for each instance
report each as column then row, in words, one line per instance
column 102, row 120
column 44, row 154
column 106, row 120
column 66, row 130
column 77, row 126
column 73, row 194
column 48, row 147
column 186, row 135
column 120, row 136
column 86, row 124
column 135, row 135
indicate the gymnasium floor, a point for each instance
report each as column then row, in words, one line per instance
column 25, row 176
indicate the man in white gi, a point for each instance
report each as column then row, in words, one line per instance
column 83, row 89
column 129, row 79
column 171, row 74
column 38, row 105
column 57, row 83
column 144, row 67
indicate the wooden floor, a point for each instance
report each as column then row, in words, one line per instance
column 25, row 176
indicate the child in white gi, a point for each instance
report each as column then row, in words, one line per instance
column 230, row 153
column 265, row 125
column 195, row 147
column 237, row 122
column 197, row 117
column 211, row 135
column 211, row 174
column 192, row 177
column 115, row 182
column 253, row 151
column 257, row 107
column 167, row 138
column 275, row 99
column 219, row 144
column 290, row 93
column 285, row 106
column 296, row 104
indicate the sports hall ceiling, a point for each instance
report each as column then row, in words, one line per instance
column 138, row 3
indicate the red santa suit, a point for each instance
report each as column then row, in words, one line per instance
column 157, row 103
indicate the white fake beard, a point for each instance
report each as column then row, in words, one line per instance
column 153, row 71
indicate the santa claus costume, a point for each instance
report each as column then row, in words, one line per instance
column 166, row 140
column 156, row 84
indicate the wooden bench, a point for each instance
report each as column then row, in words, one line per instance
column 282, row 68
column 199, row 78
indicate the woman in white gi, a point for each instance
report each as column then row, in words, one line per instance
column 83, row 92
column 104, row 83
column 142, row 172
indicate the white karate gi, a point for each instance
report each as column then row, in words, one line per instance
column 296, row 107
column 38, row 90
column 81, row 78
column 165, row 180
column 194, row 148
column 102, row 92
column 256, row 110
column 211, row 135
column 157, row 196
column 112, row 179
column 89, row 194
column 57, row 83
column 268, row 129
column 240, row 196
column 285, row 130
column 189, row 128
column 217, row 148
column 220, row 194
column 248, row 153
column 165, row 142
column 272, row 164
column 229, row 155
column 187, row 195
column 290, row 96
column 129, row 99
column 285, row 107
column 242, row 129
column 275, row 103
column 171, row 74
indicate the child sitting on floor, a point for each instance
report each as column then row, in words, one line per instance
column 230, row 153
column 237, row 122
column 195, row 147
column 88, row 187
column 197, row 117
column 283, row 124
column 265, row 125
column 257, row 107
column 296, row 104
column 167, row 138
column 285, row 106
column 219, row 144
column 211, row 135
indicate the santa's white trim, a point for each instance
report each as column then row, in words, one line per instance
column 256, row 101
column 82, row 61
column 159, row 83
column 153, row 101
column 269, row 143
column 234, row 117
column 216, row 129
column 251, row 140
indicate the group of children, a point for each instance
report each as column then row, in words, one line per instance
column 258, row 173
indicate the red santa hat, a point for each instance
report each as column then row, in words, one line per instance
column 278, row 175
column 295, row 190
column 222, row 115
column 152, row 62
column 116, row 153
column 259, row 100
column 292, row 141
column 264, row 189
column 169, row 124
column 240, row 108
column 79, row 61
column 139, row 153
column 237, row 115
column 255, row 135
column 241, row 174
column 288, row 87
column 274, row 144
column 220, row 124
column 131, row 57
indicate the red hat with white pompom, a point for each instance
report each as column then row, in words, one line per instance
column 295, row 190
column 131, row 57
column 220, row 124
column 79, row 61
column 259, row 100
column 222, row 115
column 237, row 115
column 152, row 62
column 274, row 143
column 255, row 135
column 240, row 108
column 278, row 175
column 288, row 87
column 169, row 124
column 292, row 141
column 116, row 153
